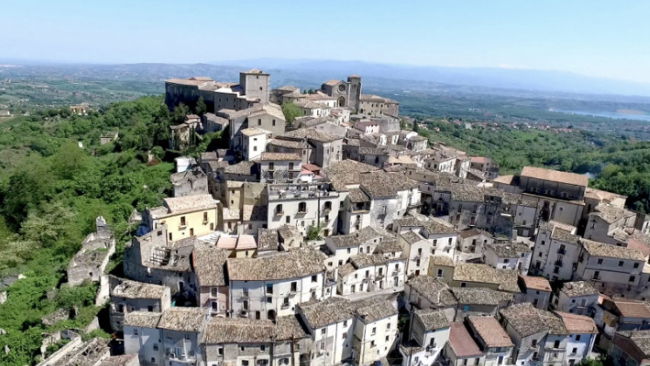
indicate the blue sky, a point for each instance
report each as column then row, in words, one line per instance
column 598, row 38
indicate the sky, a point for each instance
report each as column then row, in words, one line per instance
column 609, row 39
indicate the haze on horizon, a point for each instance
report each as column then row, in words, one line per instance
column 602, row 39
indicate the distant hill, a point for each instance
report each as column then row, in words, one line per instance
column 310, row 73
column 503, row 78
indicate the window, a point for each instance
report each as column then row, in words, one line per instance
column 632, row 278
column 259, row 121
column 290, row 166
column 314, row 278
column 183, row 221
column 302, row 207
column 322, row 331
column 556, row 344
column 620, row 263
column 294, row 286
column 273, row 122
column 577, row 337
column 600, row 261
column 269, row 288
column 636, row 265
column 533, row 343
column 220, row 351
column 440, row 272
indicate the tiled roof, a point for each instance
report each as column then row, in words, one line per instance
column 578, row 324
column 490, row 331
column 611, row 214
column 221, row 330
column 285, row 265
column 243, row 168
column 253, row 131
column 597, row 249
column 330, row 311
column 435, row 291
column 381, row 184
column 632, row 308
column 411, row 237
column 640, row 339
column 509, row 249
column 182, row 319
column 355, row 239
column 142, row 319
column 137, row 290
column 347, row 172
column 462, row 343
column 482, row 273
column 579, row 288
column 555, row 176
column 480, row 296
column 278, row 156
column 432, row 319
column 536, row 283
column 527, row 320
column 371, row 311
column 190, row 203
column 209, row 265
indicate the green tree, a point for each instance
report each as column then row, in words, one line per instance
column 291, row 111
column 201, row 107
column 313, row 233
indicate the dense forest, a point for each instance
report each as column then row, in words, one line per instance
column 617, row 164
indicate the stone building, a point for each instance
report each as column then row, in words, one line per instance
column 428, row 335
column 253, row 88
column 278, row 167
column 577, row 297
column 168, row 338
column 303, row 205
column 152, row 258
column 209, row 265
column 271, row 286
column 190, row 182
column 91, row 260
column 184, row 217
column 127, row 296
column 347, row 93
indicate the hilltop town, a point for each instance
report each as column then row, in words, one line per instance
column 335, row 236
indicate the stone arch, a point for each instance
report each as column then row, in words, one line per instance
column 341, row 101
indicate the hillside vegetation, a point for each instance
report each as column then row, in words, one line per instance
column 51, row 190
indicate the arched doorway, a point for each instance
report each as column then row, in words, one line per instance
column 341, row 101
column 271, row 315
